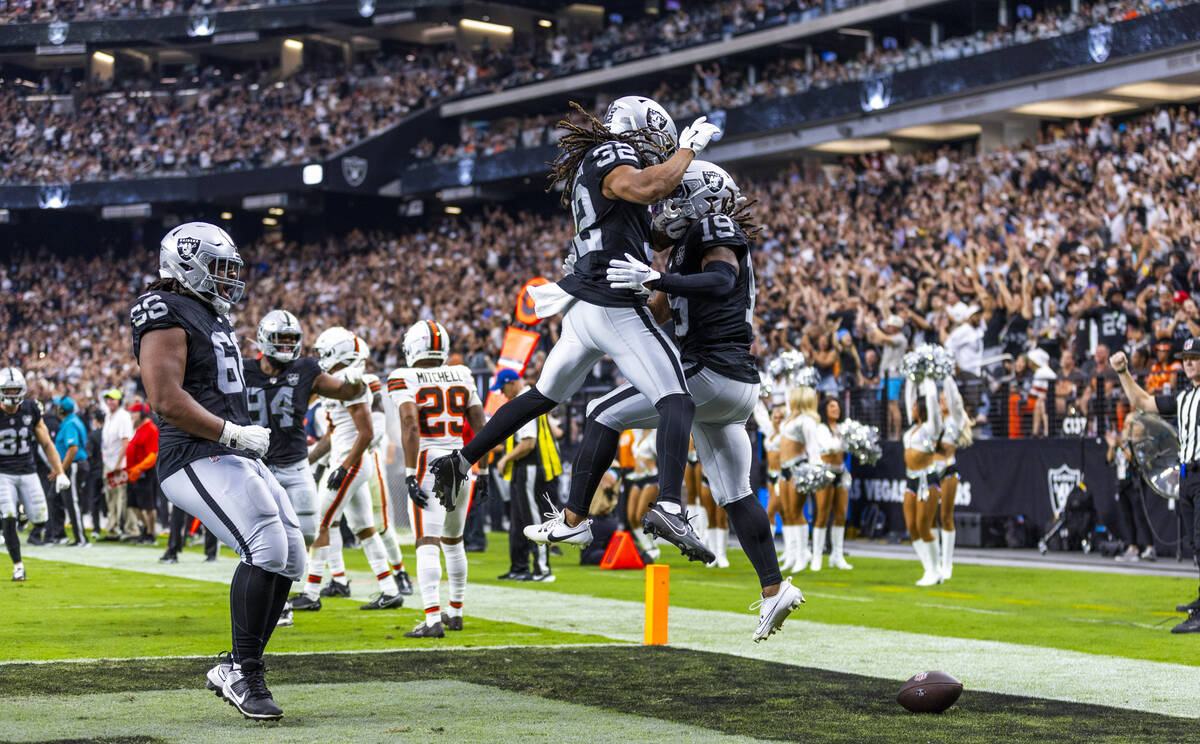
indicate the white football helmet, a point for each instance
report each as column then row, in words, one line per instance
column 706, row 188
column 12, row 386
column 280, row 336
column 426, row 340
column 339, row 346
column 638, row 113
column 204, row 259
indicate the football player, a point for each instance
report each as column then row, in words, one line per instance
column 279, row 385
column 350, row 432
column 209, row 458
column 436, row 402
column 709, row 292
column 381, row 495
column 612, row 171
column 21, row 425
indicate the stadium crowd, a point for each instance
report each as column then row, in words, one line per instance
column 1056, row 256
column 222, row 119
column 45, row 11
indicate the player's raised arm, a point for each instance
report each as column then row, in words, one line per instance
column 649, row 185
column 348, row 387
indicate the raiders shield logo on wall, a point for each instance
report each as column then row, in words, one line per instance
column 57, row 32
column 354, row 170
column 1099, row 42
column 54, row 197
column 876, row 92
column 1061, row 481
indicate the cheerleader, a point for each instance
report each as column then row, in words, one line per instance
column 799, row 438
column 644, row 490
column 836, row 496
column 771, row 427
column 956, row 434
column 920, row 497
column 698, row 512
column 718, row 524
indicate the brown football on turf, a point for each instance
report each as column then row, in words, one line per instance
column 929, row 692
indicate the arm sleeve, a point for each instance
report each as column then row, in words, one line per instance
column 1166, row 404
column 716, row 280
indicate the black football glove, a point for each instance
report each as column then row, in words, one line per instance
column 337, row 478
column 415, row 494
column 481, row 489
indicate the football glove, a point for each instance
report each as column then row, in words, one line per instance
column 631, row 274
column 481, row 489
column 568, row 264
column 351, row 375
column 337, row 478
column 252, row 439
column 415, row 494
column 61, row 482
column 697, row 135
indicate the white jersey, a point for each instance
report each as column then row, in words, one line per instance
column 816, row 438
column 442, row 396
column 340, row 425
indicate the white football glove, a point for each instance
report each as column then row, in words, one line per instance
column 252, row 439
column 697, row 135
column 630, row 274
column 568, row 264
column 61, row 482
column 351, row 375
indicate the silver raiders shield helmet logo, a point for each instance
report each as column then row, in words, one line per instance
column 186, row 247
column 713, row 180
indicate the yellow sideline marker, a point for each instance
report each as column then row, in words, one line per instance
column 658, row 587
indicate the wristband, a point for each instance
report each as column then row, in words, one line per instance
column 410, row 471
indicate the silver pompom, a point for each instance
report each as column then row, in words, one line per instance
column 862, row 441
column 927, row 361
column 790, row 370
column 810, row 477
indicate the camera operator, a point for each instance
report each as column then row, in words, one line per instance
column 1186, row 405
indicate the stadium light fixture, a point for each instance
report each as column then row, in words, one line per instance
column 938, row 131
column 1154, row 90
column 545, row 22
column 227, row 216
column 294, row 44
column 270, row 221
column 104, row 57
column 312, row 174
column 275, row 211
column 453, row 210
column 486, row 27
column 1074, row 108
column 855, row 146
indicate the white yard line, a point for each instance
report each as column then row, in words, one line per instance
column 996, row 666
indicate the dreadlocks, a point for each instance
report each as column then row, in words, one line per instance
column 745, row 220
column 580, row 139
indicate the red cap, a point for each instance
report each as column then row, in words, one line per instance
column 141, row 408
column 1180, row 296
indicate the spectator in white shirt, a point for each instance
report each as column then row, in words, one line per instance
column 892, row 344
column 114, row 438
column 965, row 340
column 1043, row 378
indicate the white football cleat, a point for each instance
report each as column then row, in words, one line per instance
column 19, row 572
column 555, row 530
column 772, row 611
column 215, row 678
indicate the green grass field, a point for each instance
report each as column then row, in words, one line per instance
column 536, row 654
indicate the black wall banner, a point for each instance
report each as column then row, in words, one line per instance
column 1010, row 477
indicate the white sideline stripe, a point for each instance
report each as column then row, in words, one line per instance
column 995, row 666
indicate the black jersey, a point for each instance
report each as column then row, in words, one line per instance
column 17, row 439
column 213, row 372
column 280, row 402
column 716, row 332
column 605, row 228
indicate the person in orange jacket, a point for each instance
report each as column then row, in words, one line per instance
column 140, row 456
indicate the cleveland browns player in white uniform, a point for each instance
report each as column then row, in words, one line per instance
column 436, row 403
column 350, row 432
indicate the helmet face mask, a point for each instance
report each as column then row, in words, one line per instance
column 204, row 259
column 705, row 189
column 280, row 337
column 425, row 340
column 646, row 117
column 12, row 387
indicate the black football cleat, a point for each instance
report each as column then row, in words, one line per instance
column 169, row 557
column 336, row 589
column 452, row 623
column 301, row 603
column 1193, row 606
column 404, row 582
column 449, row 473
column 246, row 690
column 1191, row 625
column 384, row 602
column 675, row 529
column 427, row 631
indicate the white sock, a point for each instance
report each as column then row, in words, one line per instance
column 923, row 555
column 316, row 572
column 789, row 539
column 839, row 535
column 721, row 541
column 670, row 507
column 337, row 562
column 429, row 578
column 377, row 558
column 818, row 547
column 948, row 550
column 392, row 545
column 456, row 573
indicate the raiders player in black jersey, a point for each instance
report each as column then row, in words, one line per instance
column 20, row 425
column 612, row 172
column 209, row 450
column 709, row 286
